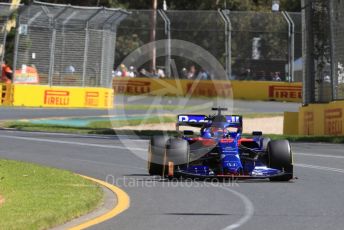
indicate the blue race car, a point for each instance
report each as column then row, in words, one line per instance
column 219, row 151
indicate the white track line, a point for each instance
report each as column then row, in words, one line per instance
column 102, row 136
column 320, row 168
column 249, row 209
column 319, row 155
column 72, row 143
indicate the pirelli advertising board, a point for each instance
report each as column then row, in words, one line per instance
column 322, row 119
column 66, row 97
column 246, row 90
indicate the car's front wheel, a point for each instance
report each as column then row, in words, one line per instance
column 280, row 157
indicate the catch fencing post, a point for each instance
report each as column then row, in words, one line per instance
column 228, row 40
column 86, row 46
column 168, row 42
column 290, row 45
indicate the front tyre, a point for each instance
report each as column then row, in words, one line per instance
column 280, row 157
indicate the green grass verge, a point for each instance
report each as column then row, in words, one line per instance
column 147, row 107
column 38, row 197
column 120, row 123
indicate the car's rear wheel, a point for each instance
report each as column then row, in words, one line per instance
column 280, row 157
column 177, row 153
column 156, row 155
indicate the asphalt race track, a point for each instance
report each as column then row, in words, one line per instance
column 313, row 201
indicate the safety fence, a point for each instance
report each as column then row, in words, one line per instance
column 337, row 44
column 323, row 50
column 249, row 45
column 66, row 45
column 245, row 90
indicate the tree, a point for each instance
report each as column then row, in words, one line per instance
column 235, row 5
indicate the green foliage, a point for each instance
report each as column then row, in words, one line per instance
column 10, row 46
column 240, row 5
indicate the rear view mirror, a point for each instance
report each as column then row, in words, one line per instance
column 188, row 132
column 257, row 133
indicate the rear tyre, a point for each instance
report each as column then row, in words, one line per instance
column 177, row 153
column 280, row 157
column 156, row 155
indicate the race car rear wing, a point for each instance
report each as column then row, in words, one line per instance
column 199, row 120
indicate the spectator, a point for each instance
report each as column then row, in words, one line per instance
column 124, row 70
column 131, row 72
column 192, row 73
column 144, row 73
column 7, row 73
column 277, row 77
column 203, row 75
column 248, row 74
column 70, row 69
column 245, row 74
column 161, row 73
column 184, row 73
column 154, row 73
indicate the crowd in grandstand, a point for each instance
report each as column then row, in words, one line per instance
column 193, row 73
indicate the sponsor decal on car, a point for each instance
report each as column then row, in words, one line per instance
column 233, row 119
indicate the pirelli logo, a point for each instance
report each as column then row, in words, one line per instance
column 107, row 99
column 308, row 123
column 210, row 90
column 91, row 98
column 132, row 87
column 285, row 92
column 333, row 121
column 56, row 97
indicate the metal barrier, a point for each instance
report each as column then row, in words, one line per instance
column 6, row 94
column 66, row 45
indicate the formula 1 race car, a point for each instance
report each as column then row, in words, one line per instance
column 219, row 151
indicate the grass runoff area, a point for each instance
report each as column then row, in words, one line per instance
column 38, row 197
column 108, row 128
